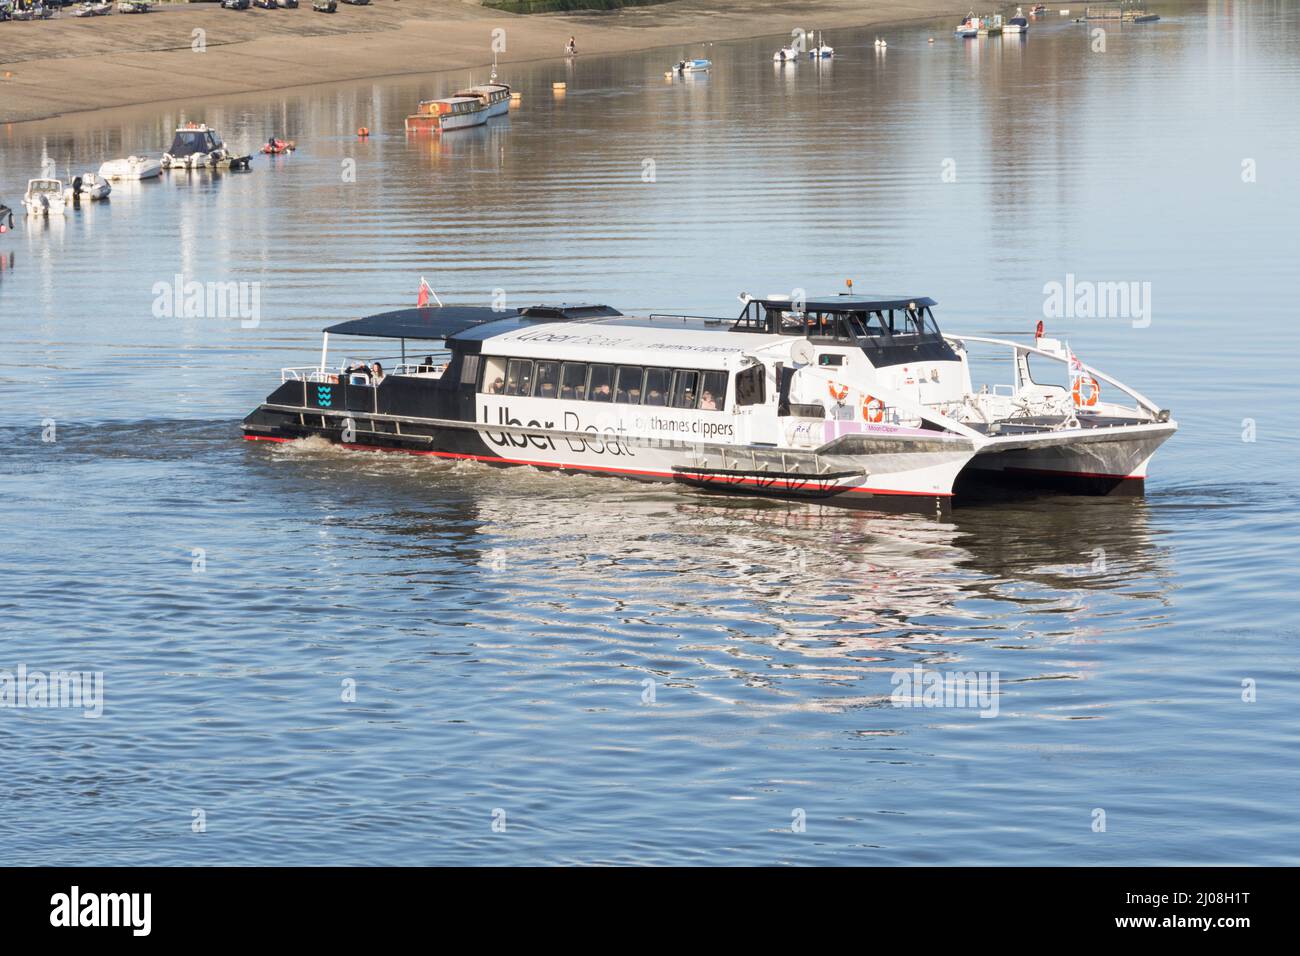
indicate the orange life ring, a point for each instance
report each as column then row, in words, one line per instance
column 1094, row 391
column 873, row 409
column 838, row 392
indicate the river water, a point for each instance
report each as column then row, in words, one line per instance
column 316, row 656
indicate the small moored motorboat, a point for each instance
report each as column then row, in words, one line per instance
column 325, row 6
column 132, row 167
column 698, row 65
column 821, row 51
column 1038, row 10
column 1017, row 24
column 196, row 146
column 969, row 28
column 87, row 186
column 6, row 218
column 447, row 113
column 133, row 6
column 44, row 197
column 275, row 147
column 787, row 54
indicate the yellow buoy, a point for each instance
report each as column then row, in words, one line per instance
column 559, row 86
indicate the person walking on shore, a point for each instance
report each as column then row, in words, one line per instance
column 571, row 47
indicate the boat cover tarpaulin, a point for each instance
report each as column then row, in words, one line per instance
column 191, row 141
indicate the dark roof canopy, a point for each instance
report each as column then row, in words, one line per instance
column 851, row 303
column 430, row 322
column 442, row 322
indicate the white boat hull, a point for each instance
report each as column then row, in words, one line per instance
column 134, row 167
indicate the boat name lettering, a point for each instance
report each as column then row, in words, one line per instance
column 603, row 441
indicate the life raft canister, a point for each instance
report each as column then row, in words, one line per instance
column 873, row 409
column 838, row 392
column 1089, row 384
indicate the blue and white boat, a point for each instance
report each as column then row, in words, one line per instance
column 698, row 65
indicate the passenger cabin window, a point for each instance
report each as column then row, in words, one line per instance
column 685, row 389
column 573, row 381
column 519, row 377
column 626, row 384
column 548, row 379
column 469, row 369
column 713, row 392
column 628, row 391
column 657, row 383
column 749, row 386
column 601, row 388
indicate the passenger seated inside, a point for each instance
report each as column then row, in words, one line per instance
column 376, row 373
column 546, row 390
column 707, row 404
column 497, row 386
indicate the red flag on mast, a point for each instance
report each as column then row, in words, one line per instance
column 422, row 299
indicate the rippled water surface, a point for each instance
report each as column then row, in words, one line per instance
column 501, row 626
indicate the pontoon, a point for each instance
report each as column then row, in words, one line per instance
column 847, row 400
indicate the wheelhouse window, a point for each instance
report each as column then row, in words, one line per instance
column 519, row 377
column 750, row 386
column 548, row 379
column 628, row 391
column 601, row 388
column 573, row 381
column 657, row 384
column 685, row 389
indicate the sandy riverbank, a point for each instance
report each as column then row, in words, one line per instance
column 70, row 64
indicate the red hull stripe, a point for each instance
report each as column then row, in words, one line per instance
column 589, row 468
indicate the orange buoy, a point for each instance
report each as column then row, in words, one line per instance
column 363, row 131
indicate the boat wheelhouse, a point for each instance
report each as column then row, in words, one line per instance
column 847, row 400
column 495, row 96
column 452, row 112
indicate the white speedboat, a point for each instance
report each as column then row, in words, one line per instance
column 697, row 65
column 787, row 54
column 881, row 44
column 495, row 96
column 133, row 167
column 87, row 186
column 847, row 400
column 45, row 197
column 197, row 146
column 1017, row 24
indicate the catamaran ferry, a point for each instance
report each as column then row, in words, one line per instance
column 846, row 400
